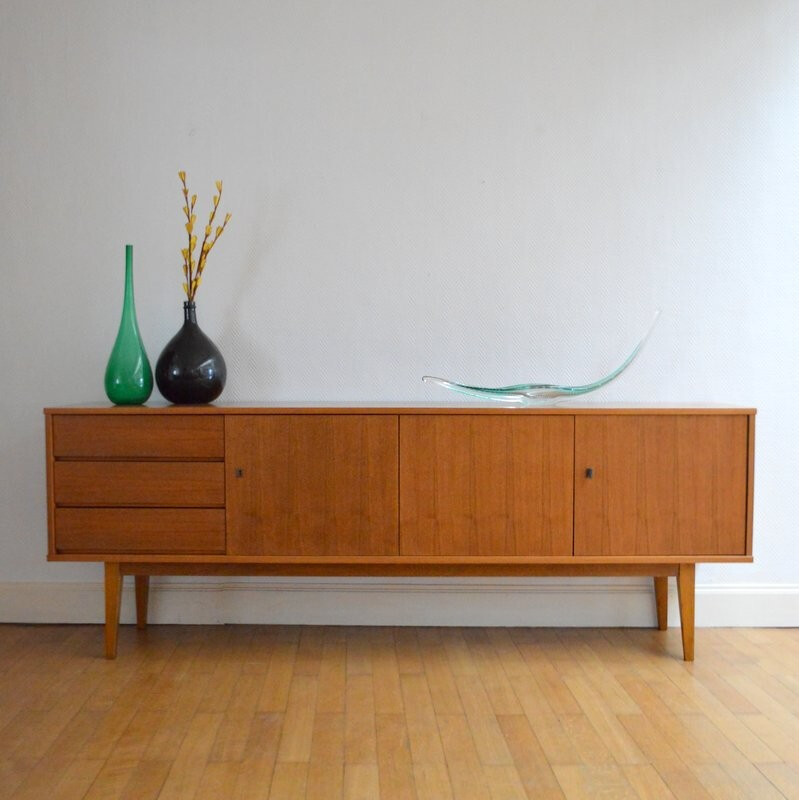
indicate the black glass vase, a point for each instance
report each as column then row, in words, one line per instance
column 190, row 370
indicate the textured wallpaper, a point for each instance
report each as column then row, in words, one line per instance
column 496, row 192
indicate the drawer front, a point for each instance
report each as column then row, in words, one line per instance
column 128, row 436
column 143, row 483
column 139, row 530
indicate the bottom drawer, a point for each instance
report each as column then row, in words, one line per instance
column 140, row 530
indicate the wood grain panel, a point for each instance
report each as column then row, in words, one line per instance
column 147, row 436
column 139, row 483
column 751, row 460
column 312, row 485
column 661, row 485
column 140, row 530
column 51, row 503
column 486, row 485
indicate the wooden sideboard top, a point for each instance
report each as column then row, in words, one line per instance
column 400, row 407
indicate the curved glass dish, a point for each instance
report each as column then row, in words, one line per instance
column 533, row 393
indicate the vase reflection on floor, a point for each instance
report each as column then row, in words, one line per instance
column 191, row 369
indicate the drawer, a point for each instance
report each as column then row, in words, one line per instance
column 128, row 436
column 139, row 483
column 139, row 530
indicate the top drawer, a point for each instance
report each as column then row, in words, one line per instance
column 126, row 436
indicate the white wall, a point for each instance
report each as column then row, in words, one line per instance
column 494, row 191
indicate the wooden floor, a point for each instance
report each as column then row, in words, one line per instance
column 294, row 712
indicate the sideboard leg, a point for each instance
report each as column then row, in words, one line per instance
column 113, row 597
column 661, row 589
column 686, row 601
column 142, row 595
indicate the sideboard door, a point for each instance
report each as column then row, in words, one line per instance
column 486, row 485
column 311, row 484
column 661, row 485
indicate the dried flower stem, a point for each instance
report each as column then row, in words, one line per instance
column 192, row 270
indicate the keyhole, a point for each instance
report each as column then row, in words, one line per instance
column 589, row 472
column 238, row 472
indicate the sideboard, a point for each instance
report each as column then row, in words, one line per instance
column 373, row 489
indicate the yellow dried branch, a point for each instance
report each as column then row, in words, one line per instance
column 193, row 270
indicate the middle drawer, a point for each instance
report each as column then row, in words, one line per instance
column 139, row 483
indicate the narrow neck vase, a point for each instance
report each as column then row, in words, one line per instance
column 129, row 378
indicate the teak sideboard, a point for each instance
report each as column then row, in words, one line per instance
column 400, row 490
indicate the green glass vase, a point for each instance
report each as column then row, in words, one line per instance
column 129, row 379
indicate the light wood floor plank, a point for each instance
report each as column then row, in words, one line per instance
column 275, row 692
column 486, row 733
column 780, row 739
column 386, row 673
column 189, row 765
column 128, row 751
column 547, row 727
column 359, row 652
column 605, row 722
column 458, row 653
column 589, row 783
column 440, row 678
column 361, row 782
column 423, row 732
column 298, row 721
column 176, row 719
column 308, row 658
column 647, row 783
column 601, row 679
column 360, row 737
column 332, row 676
column 535, row 771
column 326, row 765
column 588, row 742
column 463, row 763
column 492, row 674
column 251, row 712
column 550, row 677
column 713, row 707
column 504, row 783
column 406, row 643
column 146, row 781
column 507, row 652
column 690, row 750
column 237, row 717
column 288, row 782
column 432, row 781
column 218, row 780
column 783, row 777
column 395, row 769
column 260, row 753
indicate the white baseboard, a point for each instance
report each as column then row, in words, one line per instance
column 555, row 602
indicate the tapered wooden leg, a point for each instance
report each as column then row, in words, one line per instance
column 686, row 600
column 661, row 589
column 142, row 595
column 113, row 597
